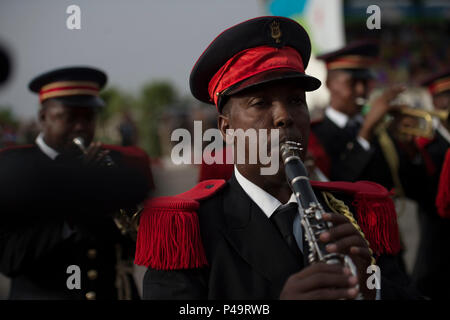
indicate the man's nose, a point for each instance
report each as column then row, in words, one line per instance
column 80, row 125
column 360, row 88
column 282, row 117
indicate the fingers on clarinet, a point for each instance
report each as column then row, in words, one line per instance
column 332, row 294
column 337, row 232
column 363, row 252
column 343, row 245
column 325, row 280
column 335, row 218
column 318, row 268
column 93, row 149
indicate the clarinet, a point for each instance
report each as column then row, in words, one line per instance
column 126, row 219
column 107, row 161
column 312, row 218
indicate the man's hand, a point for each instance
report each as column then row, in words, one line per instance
column 378, row 110
column 94, row 155
column 321, row 281
column 324, row 282
column 345, row 239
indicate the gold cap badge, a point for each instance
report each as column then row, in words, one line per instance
column 276, row 31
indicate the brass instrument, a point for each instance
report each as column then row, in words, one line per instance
column 426, row 130
column 423, row 128
column 312, row 214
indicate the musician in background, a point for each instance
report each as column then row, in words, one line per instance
column 58, row 236
column 350, row 146
column 242, row 238
column 433, row 260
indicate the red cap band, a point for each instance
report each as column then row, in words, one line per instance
column 250, row 62
column 350, row 62
column 68, row 88
column 439, row 86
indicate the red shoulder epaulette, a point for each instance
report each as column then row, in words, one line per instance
column 443, row 196
column 24, row 146
column 375, row 212
column 216, row 170
column 135, row 157
column 320, row 156
column 169, row 233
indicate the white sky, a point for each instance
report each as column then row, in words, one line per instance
column 134, row 41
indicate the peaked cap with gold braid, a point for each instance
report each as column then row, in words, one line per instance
column 356, row 58
column 73, row 86
column 438, row 83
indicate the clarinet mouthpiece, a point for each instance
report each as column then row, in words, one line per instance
column 79, row 142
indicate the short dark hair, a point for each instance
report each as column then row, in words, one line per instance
column 226, row 106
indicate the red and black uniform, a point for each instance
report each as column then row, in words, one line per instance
column 432, row 258
column 214, row 241
column 431, row 263
column 207, row 243
column 334, row 141
column 56, row 213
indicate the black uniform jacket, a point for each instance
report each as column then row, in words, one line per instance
column 247, row 256
column 56, row 214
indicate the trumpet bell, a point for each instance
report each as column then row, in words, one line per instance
column 424, row 125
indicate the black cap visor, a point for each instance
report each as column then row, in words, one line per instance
column 87, row 101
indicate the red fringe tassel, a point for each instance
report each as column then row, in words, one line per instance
column 375, row 213
column 169, row 235
column 377, row 219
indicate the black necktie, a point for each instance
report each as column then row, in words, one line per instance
column 283, row 218
column 352, row 127
column 61, row 158
column 66, row 160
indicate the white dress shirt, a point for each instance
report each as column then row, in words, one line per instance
column 341, row 119
column 269, row 204
column 45, row 148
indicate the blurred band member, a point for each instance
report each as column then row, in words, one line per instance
column 58, row 237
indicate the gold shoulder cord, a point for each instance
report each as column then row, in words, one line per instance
column 339, row 207
column 392, row 159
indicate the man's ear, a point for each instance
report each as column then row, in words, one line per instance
column 223, row 123
column 329, row 79
column 41, row 115
column 327, row 82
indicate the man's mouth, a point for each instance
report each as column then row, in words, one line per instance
column 284, row 139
